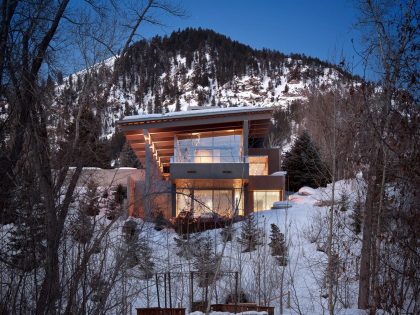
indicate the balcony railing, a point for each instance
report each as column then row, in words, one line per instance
column 210, row 159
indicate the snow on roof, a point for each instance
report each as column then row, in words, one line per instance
column 194, row 113
column 279, row 173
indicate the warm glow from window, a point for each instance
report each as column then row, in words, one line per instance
column 204, row 201
column 258, row 165
column 263, row 200
column 209, row 147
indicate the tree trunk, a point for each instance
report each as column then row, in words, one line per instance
column 369, row 228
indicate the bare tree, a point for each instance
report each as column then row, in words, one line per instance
column 391, row 51
column 31, row 39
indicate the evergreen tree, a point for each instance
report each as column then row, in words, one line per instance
column 27, row 240
column 144, row 254
column 356, row 217
column 187, row 244
column 89, row 204
column 137, row 250
column 344, row 202
column 82, row 227
column 304, row 166
column 227, row 233
column 205, row 262
column 278, row 245
column 158, row 104
column 128, row 158
column 177, row 104
column 250, row 234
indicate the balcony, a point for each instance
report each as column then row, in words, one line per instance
column 209, row 167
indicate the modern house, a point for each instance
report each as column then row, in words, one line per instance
column 205, row 161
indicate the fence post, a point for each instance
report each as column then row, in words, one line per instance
column 157, row 288
column 191, row 290
column 236, row 291
column 164, row 281
column 170, row 291
column 288, row 299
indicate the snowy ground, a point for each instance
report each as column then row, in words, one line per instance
column 260, row 277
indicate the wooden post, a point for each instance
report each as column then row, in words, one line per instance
column 207, row 289
column 191, row 290
column 170, row 292
column 236, row 291
column 148, row 175
column 157, row 289
column 164, row 280
column 288, row 299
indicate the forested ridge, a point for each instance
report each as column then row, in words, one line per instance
column 191, row 67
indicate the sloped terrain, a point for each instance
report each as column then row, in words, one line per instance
column 192, row 67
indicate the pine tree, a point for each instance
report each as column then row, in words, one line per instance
column 205, row 262
column 250, row 234
column 144, row 254
column 344, row 202
column 89, row 204
column 177, row 104
column 304, row 166
column 27, row 240
column 278, row 245
column 137, row 250
column 82, row 227
column 128, row 158
column 227, row 233
column 187, row 245
column 356, row 217
column 158, row 104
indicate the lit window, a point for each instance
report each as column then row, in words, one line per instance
column 263, row 200
column 220, row 201
column 258, row 165
column 183, row 200
column 209, row 147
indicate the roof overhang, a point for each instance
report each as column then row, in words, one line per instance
column 158, row 130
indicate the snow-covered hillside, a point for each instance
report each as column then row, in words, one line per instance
column 193, row 68
column 305, row 227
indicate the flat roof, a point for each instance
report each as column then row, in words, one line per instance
column 159, row 130
column 194, row 113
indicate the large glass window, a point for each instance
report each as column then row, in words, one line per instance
column 263, row 200
column 209, row 147
column 220, row 201
column 203, row 201
column 183, row 200
column 258, row 165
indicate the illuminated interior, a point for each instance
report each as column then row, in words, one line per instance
column 258, row 165
column 263, row 200
column 209, row 147
column 207, row 201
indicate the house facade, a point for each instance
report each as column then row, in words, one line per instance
column 205, row 161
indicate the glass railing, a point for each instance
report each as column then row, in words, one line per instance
column 210, row 159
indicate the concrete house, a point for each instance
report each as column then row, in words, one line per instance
column 205, row 161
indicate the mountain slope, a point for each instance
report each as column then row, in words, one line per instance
column 193, row 67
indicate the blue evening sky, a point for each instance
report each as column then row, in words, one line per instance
column 319, row 28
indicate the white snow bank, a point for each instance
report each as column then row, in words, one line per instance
column 306, row 191
column 226, row 313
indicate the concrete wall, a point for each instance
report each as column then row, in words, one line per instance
column 109, row 178
column 209, row 170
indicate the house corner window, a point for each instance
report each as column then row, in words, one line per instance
column 263, row 200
